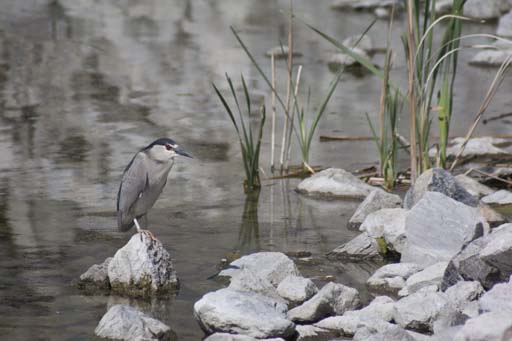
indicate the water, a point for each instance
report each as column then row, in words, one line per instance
column 84, row 84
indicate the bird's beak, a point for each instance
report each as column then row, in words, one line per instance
column 181, row 151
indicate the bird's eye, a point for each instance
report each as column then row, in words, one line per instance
column 168, row 147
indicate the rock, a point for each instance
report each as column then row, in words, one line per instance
column 96, row 277
column 438, row 227
column 498, row 299
column 382, row 331
column 361, row 247
column 335, row 182
column 498, row 249
column 446, row 334
column 486, row 327
column 430, row 276
column 420, row 310
column 391, row 277
column 313, row 333
column 387, row 225
column 487, row 9
column 380, row 308
column 346, row 60
column 375, row 201
column 332, row 299
column 296, row 289
column 342, row 4
column 370, row 4
column 365, row 43
column 437, row 180
column 501, row 197
column 248, row 280
column 505, row 25
column 472, row 186
column 281, row 52
column 272, row 266
column 444, row 6
column 492, row 217
column 239, row 312
column 123, row 322
column 382, row 13
column 476, row 147
column 235, row 337
column 142, row 267
column 463, row 296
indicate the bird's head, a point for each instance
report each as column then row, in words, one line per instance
column 164, row 150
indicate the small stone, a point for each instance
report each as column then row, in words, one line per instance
column 498, row 299
column 123, row 322
column 488, row 326
column 313, row 333
column 96, row 277
column 391, row 277
column 473, row 187
column 361, row 247
column 501, row 197
column 347, row 60
column 387, row 224
column 296, row 289
column 332, row 299
column 430, row 276
column 375, row 201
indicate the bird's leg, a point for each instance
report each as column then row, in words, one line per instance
column 147, row 232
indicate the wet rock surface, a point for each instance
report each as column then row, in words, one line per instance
column 472, row 186
column 392, row 277
column 386, row 226
column 375, row 201
column 96, row 277
column 362, row 247
column 430, row 276
column 501, row 197
column 122, row 322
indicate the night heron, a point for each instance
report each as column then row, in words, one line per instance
column 143, row 180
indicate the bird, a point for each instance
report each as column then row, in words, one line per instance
column 143, row 181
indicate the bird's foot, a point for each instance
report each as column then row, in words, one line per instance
column 149, row 234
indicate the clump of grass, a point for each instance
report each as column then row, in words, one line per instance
column 249, row 144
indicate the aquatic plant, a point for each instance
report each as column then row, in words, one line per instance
column 249, row 144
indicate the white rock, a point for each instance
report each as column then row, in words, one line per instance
column 96, row 276
column 381, row 331
column 483, row 9
column 430, row 276
column 505, row 25
column 391, row 277
column 239, row 312
column 473, row 187
column 142, row 267
column 365, row 43
column 438, row 227
column 123, row 322
column 248, row 280
column 272, row 266
column 382, row 13
column 389, row 224
column 375, row 201
column 313, row 333
column 498, row 299
column 501, row 197
column 360, row 248
column 478, row 146
column 334, row 182
column 346, row 60
column 332, row 299
column 463, row 296
column 498, row 250
column 296, row 289
column 486, row 327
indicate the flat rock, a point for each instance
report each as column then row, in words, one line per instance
column 122, row 322
column 361, row 247
column 498, row 299
column 486, row 327
column 142, row 267
column 501, row 197
column 236, row 337
column 438, row 227
column 272, row 266
column 296, row 289
column 441, row 181
column 332, row 299
column 486, row 9
column 472, row 186
column 476, row 147
column 430, row 276
column 420, row 310
column 313, row 333
column 375, row 201
column 337, row 183
column 387, row 225
column 391, row 277
column 239, row 312
column 505, row 25
column 377, row 330
column 96, row 277
column 491, row 58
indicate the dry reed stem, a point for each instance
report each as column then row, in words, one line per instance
column 288, row 87
column 273, row 135
column 295, row 92
column 412, row 99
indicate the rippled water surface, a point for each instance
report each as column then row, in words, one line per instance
column 84, row 84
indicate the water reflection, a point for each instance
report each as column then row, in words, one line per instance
column 249, row 235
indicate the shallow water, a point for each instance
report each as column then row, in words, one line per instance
column 84, row 84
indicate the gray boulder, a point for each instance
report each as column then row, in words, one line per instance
column 391, row 277
column 486, row 327
column 96, row 277
column 505, row 25
column 387, row 229
column 270, row 266
column 337, row 183
column 498, row 249
column 247, row 280
column 487, row 9
column 501, row 197
column 142, row 267
column 464, row 296
column 498, row 299
column 475, row 147
column 438, row 180
column 239, row 312
column 122, row 322
column 296, row 289
column 438, row 227
column 375, row 201
column 332, row 299
column 361, row 247
column 472, row 186
column 430, row 276
column 377, row 330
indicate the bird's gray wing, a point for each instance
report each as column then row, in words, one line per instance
column 133, row 183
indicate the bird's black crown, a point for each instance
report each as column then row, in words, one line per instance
column 161, row 142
